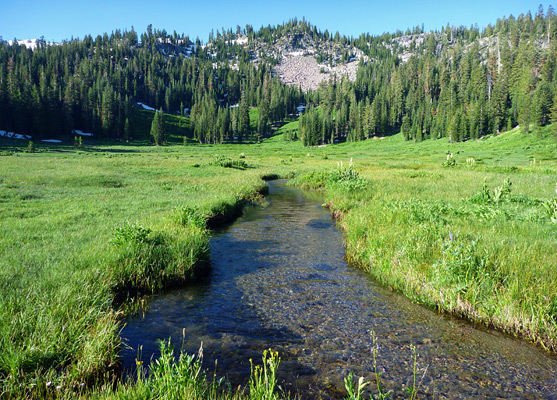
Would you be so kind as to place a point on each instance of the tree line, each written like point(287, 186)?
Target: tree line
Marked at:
point(462, 83)
point(93, 85)
point(459, 83)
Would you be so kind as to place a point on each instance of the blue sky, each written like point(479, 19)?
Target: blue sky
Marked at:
point(61, 19)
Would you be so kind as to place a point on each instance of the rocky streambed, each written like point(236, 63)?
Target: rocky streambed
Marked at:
point(279, 280)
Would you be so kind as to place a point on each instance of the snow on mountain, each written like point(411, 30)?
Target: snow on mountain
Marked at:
point(31, 43)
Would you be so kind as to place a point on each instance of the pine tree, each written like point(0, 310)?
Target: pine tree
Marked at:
point(158, 129)
point(243, 118)
point(406, 127)
point(127, 131)
point(525, 115)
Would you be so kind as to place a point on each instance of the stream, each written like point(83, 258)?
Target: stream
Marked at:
point(280, 280)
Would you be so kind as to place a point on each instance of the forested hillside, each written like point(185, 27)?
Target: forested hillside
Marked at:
point(462, 83)
point(92, 85)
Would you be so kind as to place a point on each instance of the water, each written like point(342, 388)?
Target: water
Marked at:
point(279, 280)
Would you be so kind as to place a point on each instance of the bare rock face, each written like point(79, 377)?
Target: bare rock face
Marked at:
point(298, 53)
point(297, 69)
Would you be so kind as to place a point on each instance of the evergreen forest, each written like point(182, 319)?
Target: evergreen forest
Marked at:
point(462, 83)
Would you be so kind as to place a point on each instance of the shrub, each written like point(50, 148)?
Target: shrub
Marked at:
point(347, 179)
point(486, 196)
point(188, 216)
point(229, 163)
point(129, 232)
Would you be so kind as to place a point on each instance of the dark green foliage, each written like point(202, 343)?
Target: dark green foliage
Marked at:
point(94, 84)
point(158, 128)
point(448, 84)
point(128, 131)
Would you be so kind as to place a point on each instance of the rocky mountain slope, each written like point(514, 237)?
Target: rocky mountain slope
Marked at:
point(301, 59)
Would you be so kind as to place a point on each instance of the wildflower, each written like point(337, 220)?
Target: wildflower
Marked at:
point(451, 237)
point(49, 383)
point(58, 387)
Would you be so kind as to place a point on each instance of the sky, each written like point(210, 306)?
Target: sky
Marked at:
point(58, 20)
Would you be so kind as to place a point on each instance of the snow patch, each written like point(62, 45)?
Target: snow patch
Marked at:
point(241, 40)
point(12, 135)
point(145, 106)
point(296, 53)
point(30, 43)
point(81, 133)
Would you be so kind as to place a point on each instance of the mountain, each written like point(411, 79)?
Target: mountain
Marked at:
point(302, 56)
point(461, 83)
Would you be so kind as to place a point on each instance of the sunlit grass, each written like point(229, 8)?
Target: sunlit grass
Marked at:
point(430, 232)
point(418, 227)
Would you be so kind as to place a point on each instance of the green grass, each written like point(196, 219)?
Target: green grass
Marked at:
point(432, 233)
point(84, 231)
point(177, 127)
point(62, 272)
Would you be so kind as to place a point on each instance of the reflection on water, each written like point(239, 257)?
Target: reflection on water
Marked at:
point(279, 280)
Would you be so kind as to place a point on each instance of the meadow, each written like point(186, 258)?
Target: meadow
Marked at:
point(87, 232)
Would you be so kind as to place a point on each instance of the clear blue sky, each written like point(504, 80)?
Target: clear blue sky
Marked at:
point(57, 20)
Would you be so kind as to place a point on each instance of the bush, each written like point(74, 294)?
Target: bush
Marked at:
point(188, 216)
point(347, 179)
point(486, 196)
point(129, 232)
point(229, 163)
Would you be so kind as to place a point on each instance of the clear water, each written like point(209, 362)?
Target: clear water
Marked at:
point(279, 280)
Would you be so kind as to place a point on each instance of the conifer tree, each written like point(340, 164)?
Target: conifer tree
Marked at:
point(158, 129)
point(127, 130)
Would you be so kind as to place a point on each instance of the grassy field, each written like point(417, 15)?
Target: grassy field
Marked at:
point(472, 238)
point(85, 231)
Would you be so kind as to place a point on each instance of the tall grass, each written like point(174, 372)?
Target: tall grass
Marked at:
point(472, 240)
point(81, 235)
point(84, 230)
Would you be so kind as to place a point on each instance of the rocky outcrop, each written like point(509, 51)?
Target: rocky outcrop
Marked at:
point(304, 71)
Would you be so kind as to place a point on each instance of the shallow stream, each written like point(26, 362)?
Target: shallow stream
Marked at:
point(279, 280)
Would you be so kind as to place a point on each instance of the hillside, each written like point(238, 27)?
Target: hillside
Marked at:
point(462, 83)
point(302, 56)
